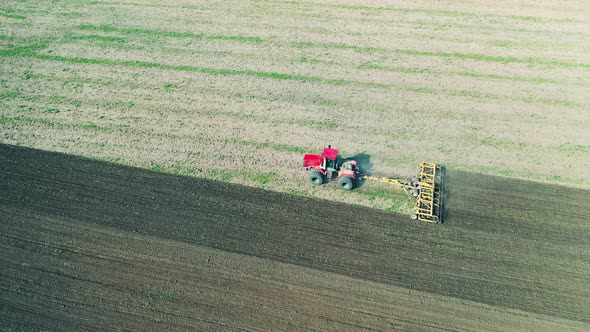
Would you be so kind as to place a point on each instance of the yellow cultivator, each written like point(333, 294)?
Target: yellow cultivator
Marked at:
point(427, 190)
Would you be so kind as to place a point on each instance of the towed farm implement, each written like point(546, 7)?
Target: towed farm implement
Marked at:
point(426, 189)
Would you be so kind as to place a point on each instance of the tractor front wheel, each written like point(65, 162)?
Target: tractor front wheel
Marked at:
point(316, 178)
point(345, 183)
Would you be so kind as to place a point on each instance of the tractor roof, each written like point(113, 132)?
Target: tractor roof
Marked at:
point(330, 153)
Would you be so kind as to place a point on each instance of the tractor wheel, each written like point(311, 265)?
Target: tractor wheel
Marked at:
point(316, 178)
point(345, 183)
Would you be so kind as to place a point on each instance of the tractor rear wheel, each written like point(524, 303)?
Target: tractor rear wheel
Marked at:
point(345, 183)
point(316, 178)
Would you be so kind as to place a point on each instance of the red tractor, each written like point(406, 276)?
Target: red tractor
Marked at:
point(329, 165)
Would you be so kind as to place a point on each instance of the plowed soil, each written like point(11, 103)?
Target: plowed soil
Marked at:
point(87, 245)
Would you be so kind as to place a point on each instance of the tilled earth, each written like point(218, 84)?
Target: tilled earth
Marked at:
point(87, 245)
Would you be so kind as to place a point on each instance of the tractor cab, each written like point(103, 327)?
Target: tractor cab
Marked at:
point(330, 158)
point(327, 162)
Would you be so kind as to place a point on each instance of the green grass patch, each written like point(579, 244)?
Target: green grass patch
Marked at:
point(511, 78)
point(221, 175)
point(527, 18)
point(554, 178)
point(114, 39)
point(170, 86)
point(456, 116)
point(502, 144)
point(305, 59)
point(489, 96)
point(138, 31)
point(260, 178)
point(122, 126)
point(574, 149)
point(402, 160)
point(504, 172)
point(24, 51)
point(56, 99)
point(24, 119)
point(468, 56)
point(373, 194)
point(498, 59)
point(429, 12)
point(340, 46)
point(547, 101)
point(51, 110)
point(72, 15)
point(405, 134)
point(296, 192)
point(92, 126)
point(4, 119)
point(60, 99)
point(444, 149)
point(158, 168)
point(164, 33)
point(248, 39)
point(407, 70)
point(13, 16)
point(272, 146)
point(175, 170)
point(501, 43)
point(327, 124)
point(9, 95)
point(380, 8)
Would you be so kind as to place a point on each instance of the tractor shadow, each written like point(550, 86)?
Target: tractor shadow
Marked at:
point(363, 160)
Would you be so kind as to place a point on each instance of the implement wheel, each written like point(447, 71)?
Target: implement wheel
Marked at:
point(316, 178)
point(345, 183)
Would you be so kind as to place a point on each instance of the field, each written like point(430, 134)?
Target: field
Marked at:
point(238, 91)
point(192, 211)
point(87, 245)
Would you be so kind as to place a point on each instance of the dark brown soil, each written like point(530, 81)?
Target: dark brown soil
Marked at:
point(87, 245)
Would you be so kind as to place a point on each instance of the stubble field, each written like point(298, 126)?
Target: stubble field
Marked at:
point(238, 91)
